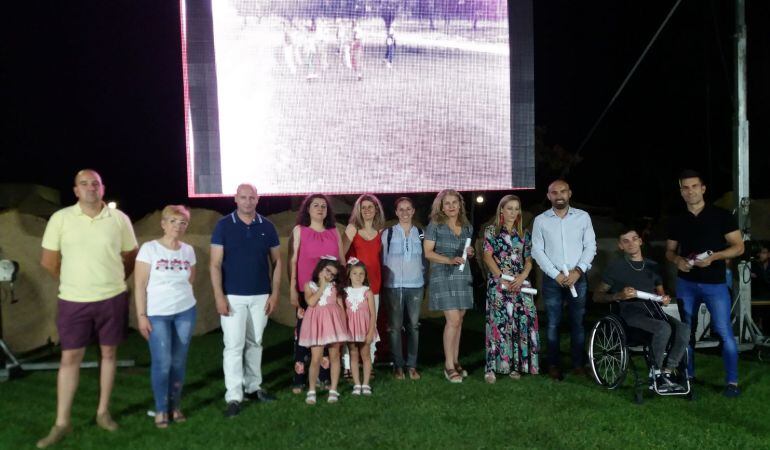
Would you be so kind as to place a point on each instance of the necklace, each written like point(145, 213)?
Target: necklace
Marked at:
point(632, 266)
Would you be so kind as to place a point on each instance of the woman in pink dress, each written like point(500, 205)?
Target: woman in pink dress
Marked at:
point(325, 325)
point(315, 235)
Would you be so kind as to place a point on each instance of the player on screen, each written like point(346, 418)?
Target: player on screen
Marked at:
point(288, 48)
point(311, 50)
point(344, 44)
point(390, 49)
point(357, 52)
point(322, 44)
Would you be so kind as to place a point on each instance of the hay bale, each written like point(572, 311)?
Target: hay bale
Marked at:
point(760, 219)
point(30, 199)
point(30, 322)
point(759, 210)
point(284, 222)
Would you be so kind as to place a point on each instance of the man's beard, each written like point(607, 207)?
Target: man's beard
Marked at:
point(560, 205)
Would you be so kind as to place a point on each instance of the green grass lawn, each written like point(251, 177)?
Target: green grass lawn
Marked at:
point(533, 412)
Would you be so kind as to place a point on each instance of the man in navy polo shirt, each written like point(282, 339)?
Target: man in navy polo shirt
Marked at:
point(243, 245)
point(703, 228)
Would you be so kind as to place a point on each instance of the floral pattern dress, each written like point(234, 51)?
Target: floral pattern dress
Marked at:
point(512, 342)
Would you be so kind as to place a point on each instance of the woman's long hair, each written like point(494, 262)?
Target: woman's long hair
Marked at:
point(436, 211)
point(357, 220)
point(303, 216)
point(518, 225)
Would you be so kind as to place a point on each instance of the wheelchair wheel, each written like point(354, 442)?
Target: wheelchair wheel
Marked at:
point(607, 352)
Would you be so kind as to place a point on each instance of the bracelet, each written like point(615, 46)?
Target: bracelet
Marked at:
point(142, 315)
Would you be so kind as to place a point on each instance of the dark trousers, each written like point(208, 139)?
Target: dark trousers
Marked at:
point(555, 296)
point(302, 361)
point(662, 330)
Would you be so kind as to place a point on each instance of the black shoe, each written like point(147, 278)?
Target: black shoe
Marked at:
point(731, 391)
point(233, 409)
point(666, 385)
point(260, 395)
point(555, 374)
point(580, 372)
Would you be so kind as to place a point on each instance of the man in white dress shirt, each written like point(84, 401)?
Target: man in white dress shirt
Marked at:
point(564, 245)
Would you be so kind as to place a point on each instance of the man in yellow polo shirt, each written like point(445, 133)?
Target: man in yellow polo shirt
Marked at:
point(90, 249)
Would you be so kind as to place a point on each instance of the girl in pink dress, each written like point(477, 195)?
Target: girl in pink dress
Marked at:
point(359, 302)
point(324, 325)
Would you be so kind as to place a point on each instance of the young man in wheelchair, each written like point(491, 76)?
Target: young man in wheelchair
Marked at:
point(621, 280)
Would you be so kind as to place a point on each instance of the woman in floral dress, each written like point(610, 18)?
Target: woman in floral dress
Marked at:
point(512, 342)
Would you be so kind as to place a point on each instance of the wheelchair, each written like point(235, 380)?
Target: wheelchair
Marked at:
point(610, 345)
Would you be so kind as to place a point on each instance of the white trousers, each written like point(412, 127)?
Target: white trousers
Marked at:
point(373, 347)
point(242, 358)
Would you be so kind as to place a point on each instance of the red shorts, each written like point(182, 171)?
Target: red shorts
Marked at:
point(83, 323)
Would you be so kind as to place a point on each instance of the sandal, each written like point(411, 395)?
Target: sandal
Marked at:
point(366, 389)
point(105, 422)
point(56, 434)
point(334, 396)
point(460, 370)
point(297, 389)
point(413, 374)
point(490, 378)
point(452, 376)
point(178, 417)
point(310, 398)
point(347, 374)
point(399, 374)
point(515, 375)
point(161, 421)
point(357, 389)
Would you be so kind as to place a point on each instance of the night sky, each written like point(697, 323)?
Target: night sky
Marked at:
point(99, 84)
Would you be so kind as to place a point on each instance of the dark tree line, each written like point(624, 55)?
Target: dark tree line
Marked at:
point(389, 10)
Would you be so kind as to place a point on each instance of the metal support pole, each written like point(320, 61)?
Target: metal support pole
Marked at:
point(748, 333)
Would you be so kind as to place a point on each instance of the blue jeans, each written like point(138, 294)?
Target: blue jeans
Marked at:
point(717, 300)
point(554, 296)
point(169, 342)
point(399, 301)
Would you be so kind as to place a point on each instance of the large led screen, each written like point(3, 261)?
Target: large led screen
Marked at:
point(349, 96)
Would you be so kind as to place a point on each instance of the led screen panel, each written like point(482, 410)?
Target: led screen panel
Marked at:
point(349, 96)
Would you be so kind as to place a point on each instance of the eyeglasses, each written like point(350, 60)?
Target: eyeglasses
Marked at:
point(173, 221)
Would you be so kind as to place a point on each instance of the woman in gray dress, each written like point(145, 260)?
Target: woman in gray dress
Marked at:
point(451, 289)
